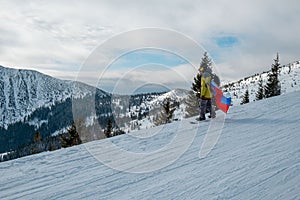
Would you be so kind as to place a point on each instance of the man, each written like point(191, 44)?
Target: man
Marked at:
point(205, 93)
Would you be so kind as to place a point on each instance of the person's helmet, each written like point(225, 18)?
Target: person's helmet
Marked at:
point(205, 68)
point(201, 69)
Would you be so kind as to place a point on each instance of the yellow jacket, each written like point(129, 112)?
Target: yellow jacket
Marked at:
point(205, 86)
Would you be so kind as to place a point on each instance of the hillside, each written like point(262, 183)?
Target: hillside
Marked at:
point(31, 101)
point(289, 77)
point(256, 157)
point(24, 91)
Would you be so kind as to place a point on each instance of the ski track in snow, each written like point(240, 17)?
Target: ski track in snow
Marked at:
point(256, 157)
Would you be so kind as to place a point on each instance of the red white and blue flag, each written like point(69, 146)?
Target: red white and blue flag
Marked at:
point(223, 103)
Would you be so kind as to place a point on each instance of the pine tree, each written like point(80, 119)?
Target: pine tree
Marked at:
point(205, 60)
point(82, 129)
point(260, 93)
point(192, 105)
point(246, 97)
point(71, 138)
point(36, 147)
point(166, 113)
point(108, 131)
point(273, 87)
point(196, 85)
point(192, 101)
point(37, 137)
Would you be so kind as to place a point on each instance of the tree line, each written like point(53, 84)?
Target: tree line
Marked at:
point(271, 88)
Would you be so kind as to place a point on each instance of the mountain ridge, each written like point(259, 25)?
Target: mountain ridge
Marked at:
point(31, 101)
point(24, 91)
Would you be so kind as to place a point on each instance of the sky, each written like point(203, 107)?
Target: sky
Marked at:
point(123, 46)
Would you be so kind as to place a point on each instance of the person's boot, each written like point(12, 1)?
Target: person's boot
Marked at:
point(202, 117)
point(212, 116)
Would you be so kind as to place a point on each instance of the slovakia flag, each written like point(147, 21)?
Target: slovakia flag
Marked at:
point(222, 102)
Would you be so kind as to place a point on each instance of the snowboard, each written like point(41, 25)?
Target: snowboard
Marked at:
point(198, 121)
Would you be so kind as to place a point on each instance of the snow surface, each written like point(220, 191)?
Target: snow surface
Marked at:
point(256, 157)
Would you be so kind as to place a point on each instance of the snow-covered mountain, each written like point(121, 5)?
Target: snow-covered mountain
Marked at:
point(289, 77)
point(31, 101)
point(256, 157)
point(24, 91)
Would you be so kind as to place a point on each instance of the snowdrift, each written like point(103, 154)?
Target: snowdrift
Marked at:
point(257, 156)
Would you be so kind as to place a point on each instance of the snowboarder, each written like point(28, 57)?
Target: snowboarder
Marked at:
point(206, 93)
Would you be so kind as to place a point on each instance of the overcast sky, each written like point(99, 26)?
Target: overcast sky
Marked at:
point(58, 37)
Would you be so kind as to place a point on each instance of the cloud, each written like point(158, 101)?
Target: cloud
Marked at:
point(156, 75)
point(57, 37)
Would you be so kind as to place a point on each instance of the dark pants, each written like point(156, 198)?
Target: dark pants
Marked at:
point(206, 104)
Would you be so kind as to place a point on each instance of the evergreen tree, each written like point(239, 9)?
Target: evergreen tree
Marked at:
point(37, 137)
point(192, 102)
point(108, 131)
point(273, 87)
point(119, 132)
point(196, 85)
point(36, 147)
point(260, 92)
point(71, 138)
point(205, 60)
point(166, 113)
point(246, 97)
point(82, 129)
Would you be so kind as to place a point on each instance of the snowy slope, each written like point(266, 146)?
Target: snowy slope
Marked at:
point(176, 95)
point(256, 157)
point(149, 107)
point(289, 77)
point(23, 91)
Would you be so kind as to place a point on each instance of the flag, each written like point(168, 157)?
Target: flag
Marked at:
point(222, 102)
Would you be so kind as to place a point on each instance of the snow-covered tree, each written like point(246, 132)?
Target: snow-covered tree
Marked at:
point(205, 60)
point(196, 85)
point(166, 114)
point(71, 138)
point(245, 97)
point(108, 130)
point(192, 105)
point(192, 101)
point(273, 87)
point(37, 137)
point(260, 92)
